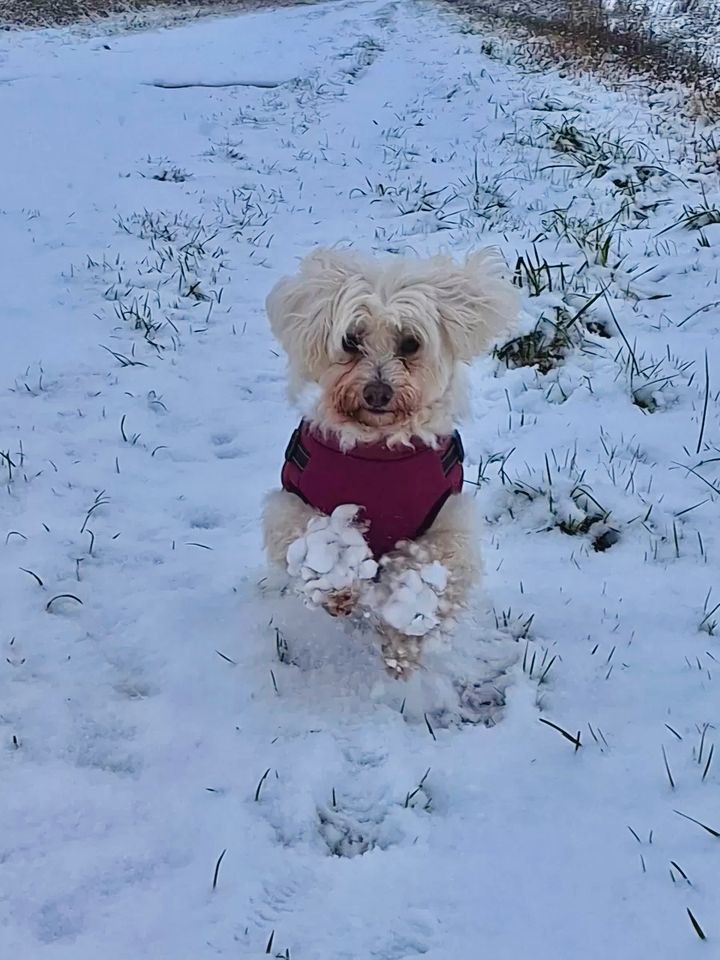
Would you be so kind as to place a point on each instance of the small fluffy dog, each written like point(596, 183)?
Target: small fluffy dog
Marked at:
point(371, 520)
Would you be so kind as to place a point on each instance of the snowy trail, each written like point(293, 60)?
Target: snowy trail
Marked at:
point(159, 704)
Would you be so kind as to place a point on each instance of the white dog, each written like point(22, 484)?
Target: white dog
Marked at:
point(370, 519)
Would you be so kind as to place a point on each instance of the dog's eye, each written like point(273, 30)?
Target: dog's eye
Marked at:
point(408, 346)
point(351, 343)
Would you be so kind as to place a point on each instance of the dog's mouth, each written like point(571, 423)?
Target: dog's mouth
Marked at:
point(371, 417)
point(377, 404)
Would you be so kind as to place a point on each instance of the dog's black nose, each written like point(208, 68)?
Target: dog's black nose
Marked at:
point(377, 394)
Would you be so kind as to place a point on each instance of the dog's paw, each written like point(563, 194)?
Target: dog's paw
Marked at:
point(410, 599)
point(414, 592)
point(341, 603)
point(401, 654)
point(330, 560)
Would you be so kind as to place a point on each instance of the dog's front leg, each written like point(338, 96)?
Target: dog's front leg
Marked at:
point(425, 583)
point(285, 518)
point(326, 557)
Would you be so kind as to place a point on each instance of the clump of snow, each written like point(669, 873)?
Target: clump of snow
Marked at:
point(331, 555)
point(409, 600)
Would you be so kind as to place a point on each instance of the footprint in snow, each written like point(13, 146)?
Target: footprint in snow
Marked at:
point(205, 520)
point(59, 919)
point(229, 453)
point(225, 447)
point(221, 439)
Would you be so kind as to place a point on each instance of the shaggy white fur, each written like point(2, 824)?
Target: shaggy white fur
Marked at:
point(351, 325)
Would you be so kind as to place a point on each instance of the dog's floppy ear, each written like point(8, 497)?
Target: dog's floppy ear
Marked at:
point(476, 300)
point(300, 308)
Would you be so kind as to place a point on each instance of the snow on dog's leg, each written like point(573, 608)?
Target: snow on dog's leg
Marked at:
point(331, 560)
point(285, 518)
point(424, 585)
point(406, 606)
point(408, 598)
point(400, 653)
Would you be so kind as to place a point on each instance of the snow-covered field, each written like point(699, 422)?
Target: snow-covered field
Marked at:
point(193, 766)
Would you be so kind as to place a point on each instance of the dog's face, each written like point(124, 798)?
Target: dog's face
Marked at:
point(384, 362)
point(383, 339)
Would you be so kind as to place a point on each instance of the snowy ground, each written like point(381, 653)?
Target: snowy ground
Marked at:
point(192, 766)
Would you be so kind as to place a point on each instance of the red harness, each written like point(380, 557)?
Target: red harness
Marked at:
point(401, 490)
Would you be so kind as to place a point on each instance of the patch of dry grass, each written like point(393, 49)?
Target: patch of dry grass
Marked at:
point(615, 44)
point(52, 13)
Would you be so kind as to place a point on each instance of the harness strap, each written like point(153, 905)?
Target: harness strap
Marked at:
point(295, 452)
point(454, 454)
point(433, 514)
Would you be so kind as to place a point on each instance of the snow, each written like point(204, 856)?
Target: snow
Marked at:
point(331, 555)
point(162, 704)
point(409, 600)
